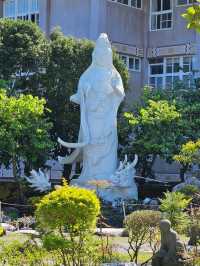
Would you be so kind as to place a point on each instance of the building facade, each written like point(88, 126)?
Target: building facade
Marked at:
point(150, 35)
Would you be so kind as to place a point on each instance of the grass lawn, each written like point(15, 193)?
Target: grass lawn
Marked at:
point(14, 237)
point(120, 245)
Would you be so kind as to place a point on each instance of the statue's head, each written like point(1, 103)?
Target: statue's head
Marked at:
point(102, 54)
point(165, 226)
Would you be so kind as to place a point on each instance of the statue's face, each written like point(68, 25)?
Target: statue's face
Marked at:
point(165, 227)
point(102, 54)
point(102, 57)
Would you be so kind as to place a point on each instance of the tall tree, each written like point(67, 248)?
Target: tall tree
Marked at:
point(23, 54)
point(24, 132)
point(154, 133)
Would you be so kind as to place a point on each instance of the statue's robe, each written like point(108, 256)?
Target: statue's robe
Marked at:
point(100, 92)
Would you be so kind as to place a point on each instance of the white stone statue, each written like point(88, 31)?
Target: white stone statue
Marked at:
point(100, 92)
point(40, 181)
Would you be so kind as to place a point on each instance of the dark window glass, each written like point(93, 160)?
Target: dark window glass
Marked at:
point(166, 4)
point(156, 69)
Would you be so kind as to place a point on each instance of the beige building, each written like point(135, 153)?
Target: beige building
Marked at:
point(150, 35)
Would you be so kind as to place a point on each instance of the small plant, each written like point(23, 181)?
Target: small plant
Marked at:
point(173, 206)
point(73, 211)
point(140, 226)
point(189, 190)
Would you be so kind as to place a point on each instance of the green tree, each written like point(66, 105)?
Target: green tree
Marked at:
point(187, 103)
point(141, 227)
point(24, 132)
point(154, 132)
point(23, 54)
point(72, 210)
point(192, 16)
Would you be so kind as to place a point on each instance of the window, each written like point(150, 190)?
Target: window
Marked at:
point(131, 3)
point(132, 63)
point(165, 72)
point(22, 9)
point(161, 14)
point(185, 2)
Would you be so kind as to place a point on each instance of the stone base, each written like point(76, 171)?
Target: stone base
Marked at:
point(109, 193)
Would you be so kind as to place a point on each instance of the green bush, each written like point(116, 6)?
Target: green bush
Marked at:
point(140, 226)
point(189, 190)
point(173, 206)
point(72, 210)
point(16, 253)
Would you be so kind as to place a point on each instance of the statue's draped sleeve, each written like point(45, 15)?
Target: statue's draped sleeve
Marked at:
point(117, 84)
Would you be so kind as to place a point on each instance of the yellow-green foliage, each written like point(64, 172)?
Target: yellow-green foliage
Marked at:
point(2, 231)
point(74, 208)
point(173, 206)
point(192, 16)
point(189, 153)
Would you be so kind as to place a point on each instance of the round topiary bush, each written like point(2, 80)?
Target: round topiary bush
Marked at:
point(72, 210)
point(71, 207)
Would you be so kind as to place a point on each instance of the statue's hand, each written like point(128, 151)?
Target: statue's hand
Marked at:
point(118, 86)
point(75, 98)
point(87, 89)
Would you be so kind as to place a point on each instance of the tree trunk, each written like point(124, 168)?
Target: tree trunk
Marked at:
point(183, 170)
point(17, 176)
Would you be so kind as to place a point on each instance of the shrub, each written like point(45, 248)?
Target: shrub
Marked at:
point(173, 206)
point(16, 253)
point(140, 225)
point(72, 210)
point(75, 208)
point(189, 190)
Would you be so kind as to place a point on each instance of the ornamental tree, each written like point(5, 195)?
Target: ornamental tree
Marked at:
point(24, 132)
point(142, 228)
point(69, 210)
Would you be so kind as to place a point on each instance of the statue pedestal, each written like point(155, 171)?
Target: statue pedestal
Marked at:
point(109, 192)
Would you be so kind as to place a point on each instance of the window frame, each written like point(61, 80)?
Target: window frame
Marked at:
point(128, 56)
point(157, 13)
point(187, 4)
point(129, 4)
point(180, 74)
point(27, 14)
